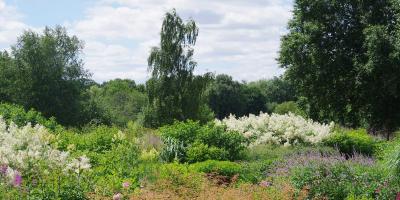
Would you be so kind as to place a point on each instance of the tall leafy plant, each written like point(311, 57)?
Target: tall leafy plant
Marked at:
point(174, 91)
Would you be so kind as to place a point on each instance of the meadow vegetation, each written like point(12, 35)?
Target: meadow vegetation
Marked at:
point(326, 129)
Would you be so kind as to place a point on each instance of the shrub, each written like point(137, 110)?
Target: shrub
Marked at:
point(352, 141)
point(18, 115)
point(330, 175)
point(224, 168)
point(342, 180)
point(93, 139)
point(179, 176)
point(30, 163)
point(191, 142)
point(287, 129)
point(392, 157)
point(288, 107)
point(199, 151)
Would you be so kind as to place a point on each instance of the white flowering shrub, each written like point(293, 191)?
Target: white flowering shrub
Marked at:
point(288, 129)
point(26, 152)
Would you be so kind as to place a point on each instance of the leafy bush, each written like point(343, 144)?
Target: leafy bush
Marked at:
point(224, 168)
point(92, 139)
point(392, 156)
point(178, 176)
point(330, 175)
point(199, 151)
point(29, 162)
point(352, 141)
point(341, 180)
point(191, 142)
point(288, 107)
point(287, 129)
point(18, 115)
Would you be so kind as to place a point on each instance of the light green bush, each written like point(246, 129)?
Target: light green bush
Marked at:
point(353, 141)
point(191, 142)
point(18, 115)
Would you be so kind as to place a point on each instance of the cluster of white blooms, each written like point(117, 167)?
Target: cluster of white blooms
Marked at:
point(288, 129)
point(79, 165)
point(27, 148)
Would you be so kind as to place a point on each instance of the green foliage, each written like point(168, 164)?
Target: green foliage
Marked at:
point(72, 192)
point(275, 90)
point(97, 139)
point(392, 157)
point(252, 172)
point(174, 92)
point(342, 180)
point(199, 151)
point(224, 168)
point(46, 74)
point(119, 99)
point(288, 107)
point(342, 56)
point(18, 115)
point(180, 175)
point(113, 156)
point(194, 142)
point(226, 96)
point(353, 141)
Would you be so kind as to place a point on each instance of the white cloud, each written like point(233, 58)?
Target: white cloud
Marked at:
point(237, 37)
point(11, 25)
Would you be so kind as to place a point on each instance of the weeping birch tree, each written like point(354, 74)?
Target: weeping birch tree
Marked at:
point(175, 93)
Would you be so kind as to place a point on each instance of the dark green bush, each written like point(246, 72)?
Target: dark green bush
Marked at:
point(191, 142)
point(349, 142)
point(18, 115)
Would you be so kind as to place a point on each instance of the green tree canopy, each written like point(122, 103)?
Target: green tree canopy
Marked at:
point(45, 72)
point(226, 96)
point(343, 56)
point(119, 99)
point(174, 91)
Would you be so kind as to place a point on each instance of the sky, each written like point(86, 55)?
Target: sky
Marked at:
point(237, 37)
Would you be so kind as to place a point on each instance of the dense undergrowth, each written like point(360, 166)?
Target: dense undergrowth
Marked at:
point(187, 160)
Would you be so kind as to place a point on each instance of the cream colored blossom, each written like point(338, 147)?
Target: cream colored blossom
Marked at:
point(288, 129)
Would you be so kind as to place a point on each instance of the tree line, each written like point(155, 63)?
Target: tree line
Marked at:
point(341, 59)
point(45, 71)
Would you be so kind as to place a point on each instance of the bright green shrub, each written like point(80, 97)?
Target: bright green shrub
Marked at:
point(180, 175)
point(224, 168)
point(113, 157)
point(113, 167)
point(18, 115)
point(288, 107)
point(94, 139)
point(191, 142)
point(200, 151)
point(349, 142)
point(252, 172)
